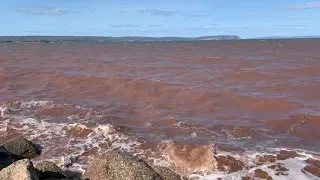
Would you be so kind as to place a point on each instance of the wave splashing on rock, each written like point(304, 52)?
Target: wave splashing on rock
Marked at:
point(70, 136)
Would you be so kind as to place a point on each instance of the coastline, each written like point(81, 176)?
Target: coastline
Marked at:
point(202, 163)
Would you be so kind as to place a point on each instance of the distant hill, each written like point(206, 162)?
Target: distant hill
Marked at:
point(83, 39)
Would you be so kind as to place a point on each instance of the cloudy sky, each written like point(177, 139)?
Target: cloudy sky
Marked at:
point(246, 18)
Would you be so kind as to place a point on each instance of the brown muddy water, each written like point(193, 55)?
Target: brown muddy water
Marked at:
point(208, 110)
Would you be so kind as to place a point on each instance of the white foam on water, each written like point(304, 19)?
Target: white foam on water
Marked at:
point(78, 145)
point(192, 135)
point(105, 133)
point(294, 166)
point(66, 142)
point(232, 176)
point(29, 104)
point(2, 110)
point(63, 140)
point(4, 126)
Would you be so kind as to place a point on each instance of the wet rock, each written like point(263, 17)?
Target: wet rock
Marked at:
point(242, 132)
point(118, 166)
point(312, 168)
point(283, 155)
point(21, 148)
point(246, 178)
point(167, 174)
point(78, 131)
point(313, 162)
point(228, 148)
point(49, 170)
point(262, 174)
point(20, 170)
point(229, 164)
point(281, 174)
point(12, 111)
point(280, 169)
point(189, 158)
point(74, 175)
point(5, 159)
point(266, 159)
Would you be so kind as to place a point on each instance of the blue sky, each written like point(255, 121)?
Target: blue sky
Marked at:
point(190, 18)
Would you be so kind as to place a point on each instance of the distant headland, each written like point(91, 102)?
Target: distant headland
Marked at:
point(96, 39)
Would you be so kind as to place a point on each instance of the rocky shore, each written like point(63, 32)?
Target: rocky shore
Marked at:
point(16, 164)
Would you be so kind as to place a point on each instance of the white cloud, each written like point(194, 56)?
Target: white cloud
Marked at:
point(289, 26)
point(125, 26)
point(42, 10)
point(298, 17)
point(158, 12)
point(207, 26)
point(253, 15)
point(310, 5)
point(219, 26)
point(154, 26)
point(200, 15)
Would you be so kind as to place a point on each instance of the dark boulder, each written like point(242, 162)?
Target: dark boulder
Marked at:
point(167, 174)
point(49, 170)
point(118, 166)
point(5, 159)
point(21, 148)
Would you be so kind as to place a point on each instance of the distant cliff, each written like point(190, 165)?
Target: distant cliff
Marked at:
point(89, 39)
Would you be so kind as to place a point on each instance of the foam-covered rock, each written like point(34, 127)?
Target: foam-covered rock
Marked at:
point(19, 170)
point(118, 166)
